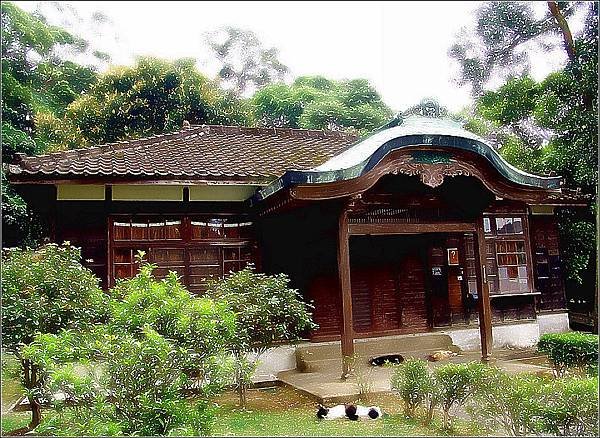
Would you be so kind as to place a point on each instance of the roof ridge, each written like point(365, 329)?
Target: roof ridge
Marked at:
point(277, 129)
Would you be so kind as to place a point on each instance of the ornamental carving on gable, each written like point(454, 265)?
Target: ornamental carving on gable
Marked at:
point(432, 174)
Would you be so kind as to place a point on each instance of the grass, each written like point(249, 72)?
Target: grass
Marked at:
point(284, 412)
point(12, 390)
point(278, 411)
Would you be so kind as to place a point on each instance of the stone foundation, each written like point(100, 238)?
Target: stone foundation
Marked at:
point(511, 336)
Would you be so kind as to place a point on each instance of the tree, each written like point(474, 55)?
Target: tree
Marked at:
point(152, 97)
point(158, 344)
point(268, 312)
point(44, 291)
point(244, 63)
point(37, 81)
point(562, 112)
point(319, 103)
point(504, 33)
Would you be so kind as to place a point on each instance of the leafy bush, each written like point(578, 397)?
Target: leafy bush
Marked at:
point(45, 291)
point(159, 343)
point(147, 383)
point(413, 381)
point(456, 383)
point(525, 404)
point(268, 312)
point(570, 407)
point(570, 350)
point(509, 402)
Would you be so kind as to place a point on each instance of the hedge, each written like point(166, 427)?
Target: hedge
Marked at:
point(570, 350)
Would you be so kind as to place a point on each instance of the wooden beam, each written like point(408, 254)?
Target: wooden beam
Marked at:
point(485, 310)
point(404, 228)
point(345, 287)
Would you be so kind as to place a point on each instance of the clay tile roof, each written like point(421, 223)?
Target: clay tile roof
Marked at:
point(205, 151)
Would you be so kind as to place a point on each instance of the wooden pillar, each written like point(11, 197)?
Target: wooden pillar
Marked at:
point(485, 310)
point(344, 281)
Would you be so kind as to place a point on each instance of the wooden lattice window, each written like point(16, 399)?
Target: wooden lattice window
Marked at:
point(507, 259)
point(198, 248)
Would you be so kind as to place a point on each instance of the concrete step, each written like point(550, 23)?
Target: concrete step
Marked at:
point(312, 357)
point(316, 365)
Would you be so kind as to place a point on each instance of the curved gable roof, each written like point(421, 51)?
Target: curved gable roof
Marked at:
point(413, 130)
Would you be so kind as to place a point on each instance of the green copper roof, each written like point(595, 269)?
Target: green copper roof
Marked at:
point(424, 128)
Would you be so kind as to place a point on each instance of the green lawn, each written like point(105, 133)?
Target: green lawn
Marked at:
point(12, 390)
point(278, 411)
point(283, 412)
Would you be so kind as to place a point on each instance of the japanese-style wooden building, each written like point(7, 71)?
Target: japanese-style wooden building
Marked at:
point(418, 227)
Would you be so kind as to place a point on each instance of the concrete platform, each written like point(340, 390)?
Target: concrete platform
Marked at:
point(326, 386)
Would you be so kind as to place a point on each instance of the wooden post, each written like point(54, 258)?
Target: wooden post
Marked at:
point(485, 310)
point(344, 280)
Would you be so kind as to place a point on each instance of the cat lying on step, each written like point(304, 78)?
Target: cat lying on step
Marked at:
point(441, 355)
point(388, 358)
point(352, 412)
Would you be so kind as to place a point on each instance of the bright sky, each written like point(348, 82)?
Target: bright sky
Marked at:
point(401, 47)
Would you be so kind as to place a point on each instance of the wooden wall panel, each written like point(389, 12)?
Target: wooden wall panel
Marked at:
point(325, 294)
point(547, 262)
point(361, 300)
point(412, 292)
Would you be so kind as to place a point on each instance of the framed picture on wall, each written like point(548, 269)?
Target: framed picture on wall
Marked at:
point(452, 256)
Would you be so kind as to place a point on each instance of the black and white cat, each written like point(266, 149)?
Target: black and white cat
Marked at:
point(352, 412)
point(393, 359)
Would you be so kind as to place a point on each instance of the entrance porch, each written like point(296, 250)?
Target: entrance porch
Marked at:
point(317, 372)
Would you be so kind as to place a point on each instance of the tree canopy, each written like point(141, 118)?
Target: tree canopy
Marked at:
point(320, 103)
point(550, 126)
point(245, 65)
point(151, 97)
point(500, 43)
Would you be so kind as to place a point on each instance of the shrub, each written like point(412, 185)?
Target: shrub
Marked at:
point(45, 291)
point(159, 341)
point(510, 402)
point(570, 350)
point(413, 381)
point(268, 312)
point(456, 383)
point(570, 407)
point(525, 404)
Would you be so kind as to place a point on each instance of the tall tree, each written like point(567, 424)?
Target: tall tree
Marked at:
point(36, 81)
point(504, 34)
point(151, 97)
point(565, 107)
point(244, 63)
point(319, 103)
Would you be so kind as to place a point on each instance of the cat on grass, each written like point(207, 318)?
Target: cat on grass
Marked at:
point(350, 411)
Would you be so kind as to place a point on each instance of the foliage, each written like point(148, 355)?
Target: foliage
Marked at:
point(45, 291)
point(570, 350)
point(36, 82)
point(458, 382)
point(152, 97)
point(244, 64)
point(508, 401)
point(201, 327)
point(319, 103)
point(268, 311)
point(547, 127)
point(498, 45)
point(529, 405)
point(414, 383)
point(571, 409)
point(158, 344)
point(146, 382)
